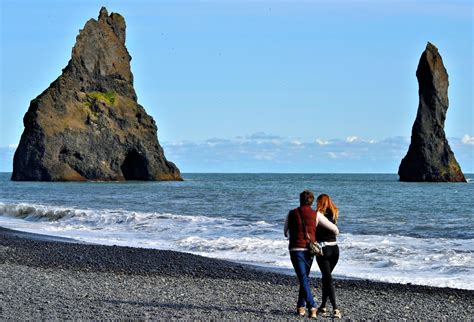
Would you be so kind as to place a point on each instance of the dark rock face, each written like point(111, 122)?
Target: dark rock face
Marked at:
point(88, 125)
point(429, 156)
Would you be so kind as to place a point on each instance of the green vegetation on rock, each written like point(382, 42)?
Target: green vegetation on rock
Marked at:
point(108, 98)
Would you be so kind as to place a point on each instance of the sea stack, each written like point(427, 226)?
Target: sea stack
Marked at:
point(87, 125)
point(429, 157)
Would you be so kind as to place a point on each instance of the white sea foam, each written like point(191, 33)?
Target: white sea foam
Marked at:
point(425, 261)
point(431, 261)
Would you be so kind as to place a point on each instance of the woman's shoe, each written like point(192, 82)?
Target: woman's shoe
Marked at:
point(300, 311)
point(322, 311)
point(337, 314)
point(313, 313)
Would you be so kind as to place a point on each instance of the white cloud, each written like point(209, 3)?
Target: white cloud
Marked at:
point(466, 139)
point(262, 136)
point(265, 156)
point(276, 142)
point(211, 144)
point(176, 143)
point(351, 139)
point(331, 155)
point(340, 155)
point(269, 153)
point(322, 142)
point(296, 142)
point(241, 154)
point(6, 157)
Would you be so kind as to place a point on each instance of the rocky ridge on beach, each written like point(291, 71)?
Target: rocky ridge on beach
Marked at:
point(429, 157)
point(87, 125)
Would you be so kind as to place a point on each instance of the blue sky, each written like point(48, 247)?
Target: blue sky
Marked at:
point(259, 86)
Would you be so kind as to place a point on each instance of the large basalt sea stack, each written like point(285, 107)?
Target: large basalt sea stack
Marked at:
point(429, 156)
point(88, 125)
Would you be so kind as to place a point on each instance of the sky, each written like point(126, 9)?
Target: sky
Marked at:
point(259, 86)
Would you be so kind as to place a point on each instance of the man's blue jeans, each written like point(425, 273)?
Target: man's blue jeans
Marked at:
point(302, 262)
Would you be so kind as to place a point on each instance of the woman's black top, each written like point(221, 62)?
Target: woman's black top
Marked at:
point(323, 234)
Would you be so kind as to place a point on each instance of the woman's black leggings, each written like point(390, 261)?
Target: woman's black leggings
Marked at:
point(326, 264)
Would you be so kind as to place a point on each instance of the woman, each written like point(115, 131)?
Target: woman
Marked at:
point(326, 208)
point(301, 225)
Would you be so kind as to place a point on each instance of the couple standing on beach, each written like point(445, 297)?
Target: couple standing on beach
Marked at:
point(303, 225)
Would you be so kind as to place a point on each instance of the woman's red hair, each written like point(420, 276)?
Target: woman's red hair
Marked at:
point(326, 206)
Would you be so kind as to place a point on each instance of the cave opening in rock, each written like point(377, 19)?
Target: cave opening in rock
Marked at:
point(134, 167)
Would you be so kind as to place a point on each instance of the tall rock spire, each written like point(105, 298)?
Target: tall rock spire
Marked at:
point(429, 156)
point(87, 125)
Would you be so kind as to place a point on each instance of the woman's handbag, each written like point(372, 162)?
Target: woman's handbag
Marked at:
point(314, 248)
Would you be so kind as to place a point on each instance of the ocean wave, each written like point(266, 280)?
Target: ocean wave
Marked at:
point(404, 251)
point(36, 212)
point(401, 259)
point(395, 259)
point(123, 220)
point(55, 213)
point(390, 258)
point(254, 245)
point(115, 216)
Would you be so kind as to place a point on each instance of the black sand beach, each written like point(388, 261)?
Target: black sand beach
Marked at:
point(49, 278)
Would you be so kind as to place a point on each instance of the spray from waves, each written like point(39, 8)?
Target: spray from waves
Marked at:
point(261, 251)
point(395, 259)
point(424, 261)
point(38, 212)
point(401, 259)
point(35, 212)
point(85, 222)
point(98, 218)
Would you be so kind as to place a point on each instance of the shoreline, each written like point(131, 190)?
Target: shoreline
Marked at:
point(126, 282)
point(265, 269)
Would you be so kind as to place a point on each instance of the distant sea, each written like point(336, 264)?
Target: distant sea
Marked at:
point(419, 233)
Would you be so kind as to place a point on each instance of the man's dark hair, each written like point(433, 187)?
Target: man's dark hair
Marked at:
point(306, 198)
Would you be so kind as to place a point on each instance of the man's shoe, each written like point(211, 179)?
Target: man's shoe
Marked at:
point(300, 311)
point(313, 313)
point(322, 311)
point(337, 314)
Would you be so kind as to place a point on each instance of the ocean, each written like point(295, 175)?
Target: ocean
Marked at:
point(419, 233)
